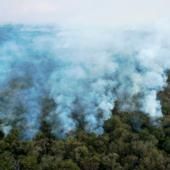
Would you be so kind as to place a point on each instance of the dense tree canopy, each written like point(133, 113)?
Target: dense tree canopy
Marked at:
point(131, 141)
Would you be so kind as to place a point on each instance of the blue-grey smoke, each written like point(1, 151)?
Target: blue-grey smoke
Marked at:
point(83, 71)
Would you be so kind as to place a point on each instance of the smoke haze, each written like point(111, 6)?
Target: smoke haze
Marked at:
point(83, 71)
point(83, 56)
point(103, 13)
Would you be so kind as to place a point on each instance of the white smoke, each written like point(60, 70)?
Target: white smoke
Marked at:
point(84, 71)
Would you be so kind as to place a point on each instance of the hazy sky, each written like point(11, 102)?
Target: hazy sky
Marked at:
point(94, 12)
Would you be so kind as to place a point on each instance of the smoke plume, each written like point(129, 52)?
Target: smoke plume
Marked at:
point(83, 71)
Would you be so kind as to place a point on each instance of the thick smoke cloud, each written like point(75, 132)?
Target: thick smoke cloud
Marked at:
point(84, 72)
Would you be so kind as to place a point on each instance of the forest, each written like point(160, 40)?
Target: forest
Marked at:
point(131, 141)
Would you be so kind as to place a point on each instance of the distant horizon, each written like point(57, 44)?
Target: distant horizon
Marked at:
point(87, 13)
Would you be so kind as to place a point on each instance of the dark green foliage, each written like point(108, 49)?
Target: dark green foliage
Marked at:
point(130, 142)
point(121, 147)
